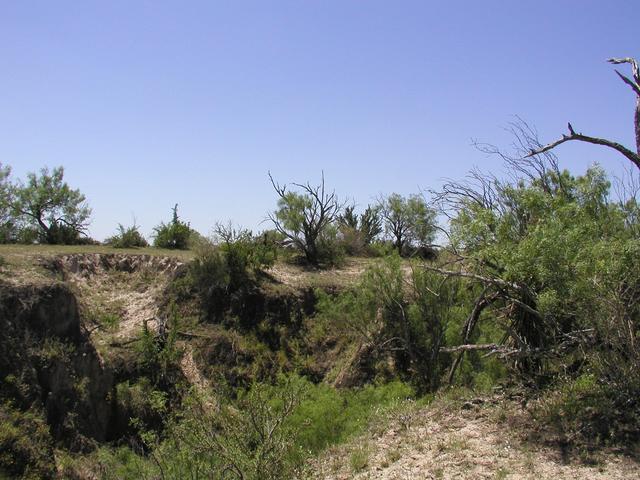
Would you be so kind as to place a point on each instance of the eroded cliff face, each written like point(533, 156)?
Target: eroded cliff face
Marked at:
point(49, 364)
point(70, 344)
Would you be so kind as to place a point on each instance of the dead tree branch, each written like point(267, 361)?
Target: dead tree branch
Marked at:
point(303, 217)
point(481, 303)
point(634, 157)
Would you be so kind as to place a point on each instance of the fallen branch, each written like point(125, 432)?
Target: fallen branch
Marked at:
point(474, 276)
point(471, 347)
point(480, 304)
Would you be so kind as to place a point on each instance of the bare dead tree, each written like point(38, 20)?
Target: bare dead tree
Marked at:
point(303, 217)
point(631, 155)
point(454, 195)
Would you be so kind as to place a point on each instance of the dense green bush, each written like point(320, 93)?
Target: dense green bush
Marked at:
point(408, 222)
point(265, 432)
point(407, 317)
point(227, 269)
point(26, 448)
point(48, 205)
point(357, 232)
point(129, 237)
point(243, 253)
point(173, 235)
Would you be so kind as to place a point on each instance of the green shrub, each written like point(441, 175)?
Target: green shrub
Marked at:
point(330, 249)
point(173, 235)
point(269, 430)
point(246, 438)
point(587, 412)
point(158, 352)
point(129, 237)
point(225, 271)
point(359, 458)
point(243, 253)
point(105, 463)
point(407, 319)
point(381, 248)
point(26, 448)
point(328, 416)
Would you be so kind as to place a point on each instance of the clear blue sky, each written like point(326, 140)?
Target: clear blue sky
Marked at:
point(152, 103)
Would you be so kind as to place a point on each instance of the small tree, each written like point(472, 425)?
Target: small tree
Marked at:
point(408, 221)
point(305, 218)
point(172, 235)
point(358, 231)
point(60, 213)
point(370, 224)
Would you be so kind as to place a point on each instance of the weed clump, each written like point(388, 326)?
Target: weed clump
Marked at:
point(129, 237)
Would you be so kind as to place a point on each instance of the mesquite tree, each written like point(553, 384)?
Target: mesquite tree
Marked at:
point(60, 213)
point(631, 155)
point(303, 218)
point(407, 221)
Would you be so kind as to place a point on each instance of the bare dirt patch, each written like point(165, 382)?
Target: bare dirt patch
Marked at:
point(469, 442)
point(117, 293)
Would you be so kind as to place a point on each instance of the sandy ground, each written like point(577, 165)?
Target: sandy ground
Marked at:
point(436, 442)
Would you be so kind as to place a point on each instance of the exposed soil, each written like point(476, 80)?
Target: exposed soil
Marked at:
point(128, 287)
point(472, 441)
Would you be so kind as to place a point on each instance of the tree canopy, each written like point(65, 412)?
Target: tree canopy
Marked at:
point(408, 221)
point(59, 213)
point(305, 218)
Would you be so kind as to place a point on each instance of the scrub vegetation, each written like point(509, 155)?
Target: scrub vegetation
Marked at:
point(505, 309)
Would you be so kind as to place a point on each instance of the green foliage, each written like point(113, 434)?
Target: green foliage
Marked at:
point(409, 222)
point(588, 413)
point(8, 222)
point(244, 253)
point(158, 353)
point(53, 349)
point(145, 404)
point(129, 237)
point(173, 235)
point(109, 321)
point(359, 458)
point(267, 431)
point(566, 257)
point(221, 272)
point(26, 449)
point(410, 323)
point(370, 224)
point(47, 203)
point(306, 219)
point(247, 438)
point(328, 416)
point(358, 232)
point(555, 235)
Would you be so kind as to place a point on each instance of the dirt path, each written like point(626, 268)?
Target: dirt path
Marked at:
point(440, 443)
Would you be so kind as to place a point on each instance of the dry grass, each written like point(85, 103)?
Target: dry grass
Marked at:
point(303, 277)
point(23, 263)
point(451, 439)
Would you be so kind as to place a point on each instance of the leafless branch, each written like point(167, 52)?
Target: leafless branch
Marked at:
point(634, 157)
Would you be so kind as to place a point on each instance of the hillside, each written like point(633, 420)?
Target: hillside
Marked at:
point(78, 323)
